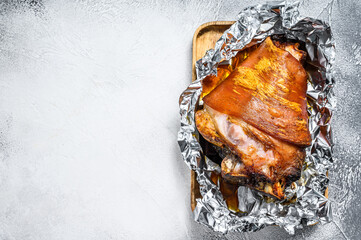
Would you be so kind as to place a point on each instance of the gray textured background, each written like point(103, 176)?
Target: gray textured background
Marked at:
point(89, 117)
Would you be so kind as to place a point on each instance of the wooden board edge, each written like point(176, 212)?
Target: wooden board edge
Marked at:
point(194, 189)
point(194, 41)
point(194, 184)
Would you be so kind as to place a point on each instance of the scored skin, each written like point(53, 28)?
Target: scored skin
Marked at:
point(263, 92)
point(212, 81)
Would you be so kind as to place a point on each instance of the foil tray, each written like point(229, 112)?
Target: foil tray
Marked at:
point(312, 206)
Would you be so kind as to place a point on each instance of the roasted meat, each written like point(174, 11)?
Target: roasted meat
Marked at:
point(212, 81)
point(259, 113)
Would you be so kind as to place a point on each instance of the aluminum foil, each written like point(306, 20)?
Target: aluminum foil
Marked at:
point(256, 23)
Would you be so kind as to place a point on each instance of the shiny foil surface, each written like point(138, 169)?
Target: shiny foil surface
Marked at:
point(311, 207)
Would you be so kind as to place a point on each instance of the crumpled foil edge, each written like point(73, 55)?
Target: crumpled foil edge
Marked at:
point(256, 23)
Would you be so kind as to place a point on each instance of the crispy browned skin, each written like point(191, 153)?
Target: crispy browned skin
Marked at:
point(264, 159)
point(268, 91)
point(206, 127)
point(264, 163)
point(259, 113)
point(212, 81)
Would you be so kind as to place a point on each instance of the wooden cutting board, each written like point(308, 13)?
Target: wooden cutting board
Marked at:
point(204, 39)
